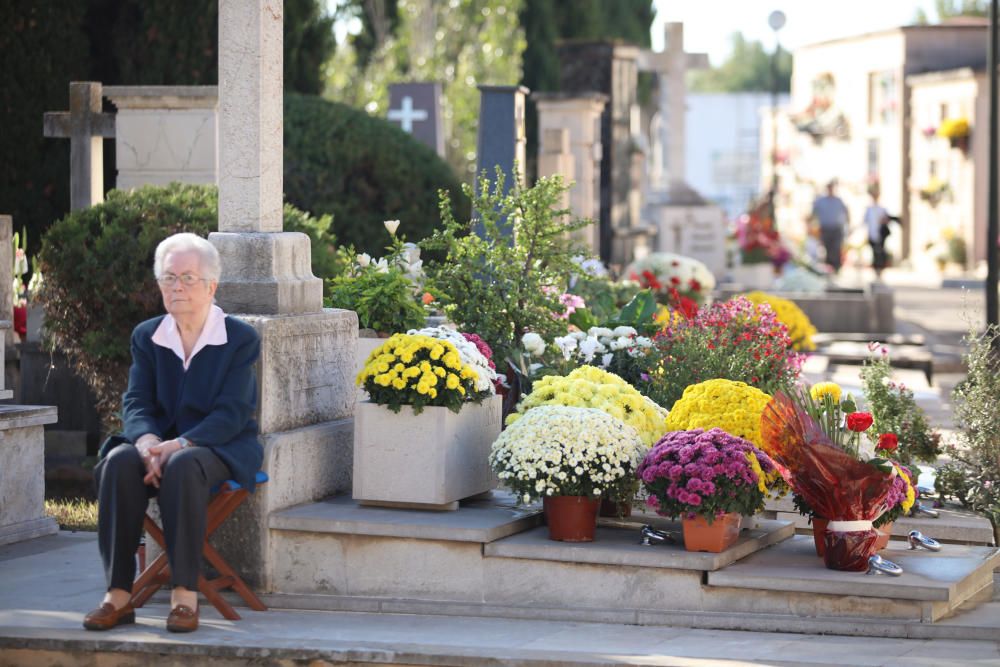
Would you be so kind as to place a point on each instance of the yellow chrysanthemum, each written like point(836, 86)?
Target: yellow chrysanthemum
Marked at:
point(735, 407)
point(800, 328)
point(452, 381)
point(911, 494)
point(821, 389)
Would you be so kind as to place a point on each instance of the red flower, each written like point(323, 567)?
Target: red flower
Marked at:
point(888, 441)
point(695, 285)
point(651, 280)
point(859, 421)
point(675, 281)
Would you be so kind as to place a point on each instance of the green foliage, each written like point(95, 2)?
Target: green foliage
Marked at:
point(460, 43)
point(947, 9)
point(973, 475)
point(895, 410)
point(749, 67)
point(501, 283)
point(361, 170)
point(308, 44)
point(383, 298)
point(41, 43)
point(98, 266)
point(604, 298)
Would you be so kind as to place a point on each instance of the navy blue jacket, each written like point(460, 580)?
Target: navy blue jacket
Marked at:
point(212, 404)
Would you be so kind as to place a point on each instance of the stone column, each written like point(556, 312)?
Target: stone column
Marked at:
point(306, 368)
point(580, 115)
point(6, 295)
point(165, 134)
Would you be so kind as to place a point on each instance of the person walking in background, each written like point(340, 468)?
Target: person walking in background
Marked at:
point(831, 215)
point(877, 225)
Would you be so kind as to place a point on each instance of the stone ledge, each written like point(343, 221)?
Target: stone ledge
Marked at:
point(953, 575)
point(21, 416)
point(28, 530)
point(481, 521)
point(618, 545)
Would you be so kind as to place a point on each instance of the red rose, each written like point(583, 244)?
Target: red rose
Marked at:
point(888, 441)
point(859, 421)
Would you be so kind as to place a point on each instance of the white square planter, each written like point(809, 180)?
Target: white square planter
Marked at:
point(431, 460)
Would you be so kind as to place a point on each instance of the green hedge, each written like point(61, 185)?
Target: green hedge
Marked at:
point(362, 170)
point(98, 268)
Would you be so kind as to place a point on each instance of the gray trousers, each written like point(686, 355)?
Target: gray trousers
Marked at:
point(833, 240)
point(122, 498)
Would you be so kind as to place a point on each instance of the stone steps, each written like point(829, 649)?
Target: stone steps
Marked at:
point(491, 558)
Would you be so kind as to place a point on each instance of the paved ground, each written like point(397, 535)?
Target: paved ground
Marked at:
point(46, 585)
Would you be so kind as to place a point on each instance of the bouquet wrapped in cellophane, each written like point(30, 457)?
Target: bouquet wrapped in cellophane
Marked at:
point(848, 492)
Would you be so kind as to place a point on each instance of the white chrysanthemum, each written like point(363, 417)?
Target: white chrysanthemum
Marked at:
point(467, 352)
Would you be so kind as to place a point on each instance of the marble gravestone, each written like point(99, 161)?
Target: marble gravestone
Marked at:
point(416, 108)
point(164, 134)
point(305, 373)
point(611, 69)
point(501, 138)
point(22, 444)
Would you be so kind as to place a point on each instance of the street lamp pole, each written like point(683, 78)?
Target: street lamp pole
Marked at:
point(776, 20)
point(992, 226)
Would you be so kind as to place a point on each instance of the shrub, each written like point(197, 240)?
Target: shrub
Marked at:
point(98, 267)
point(362, 170)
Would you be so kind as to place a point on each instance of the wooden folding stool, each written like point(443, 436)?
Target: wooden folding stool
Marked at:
point(230, 496)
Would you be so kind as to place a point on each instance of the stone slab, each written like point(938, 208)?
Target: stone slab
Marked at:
point(619, 545)
point(28, 530)
point(20, 416)
point(480, 520)
point(22, 472)
point(951, 575)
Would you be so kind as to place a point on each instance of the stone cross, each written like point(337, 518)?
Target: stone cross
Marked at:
point(406, 114)
point(416, 108)
point(265, 271)
point(86, 128)
point(671, 66)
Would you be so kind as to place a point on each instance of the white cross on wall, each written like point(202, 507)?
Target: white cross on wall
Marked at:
point(407, 114)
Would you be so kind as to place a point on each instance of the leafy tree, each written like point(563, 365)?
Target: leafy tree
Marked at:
point(947, 9)
point(749, 67)
point(460, 43)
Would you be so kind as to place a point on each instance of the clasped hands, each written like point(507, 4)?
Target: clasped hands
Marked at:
point(155, 455)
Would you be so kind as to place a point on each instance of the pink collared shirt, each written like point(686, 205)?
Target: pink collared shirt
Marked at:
point(213, 333)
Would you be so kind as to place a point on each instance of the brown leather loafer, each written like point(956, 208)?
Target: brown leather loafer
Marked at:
point(182, 619)
point(106, 617)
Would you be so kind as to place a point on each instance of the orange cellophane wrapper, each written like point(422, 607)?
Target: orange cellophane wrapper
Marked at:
point(837, 486)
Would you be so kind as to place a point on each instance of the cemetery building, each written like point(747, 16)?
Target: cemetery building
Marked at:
point(849, 119)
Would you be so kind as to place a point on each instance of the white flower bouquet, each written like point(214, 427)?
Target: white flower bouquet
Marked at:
point(555, 450)
point(468, 352)
point(665, 271)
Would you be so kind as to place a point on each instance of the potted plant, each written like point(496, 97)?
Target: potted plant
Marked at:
point(665, 271)
point(386, 293)
point(800, 328)
point(569, 457)
point(710, 479)
point(591, 387)
point(423, 437)
point(956, 131)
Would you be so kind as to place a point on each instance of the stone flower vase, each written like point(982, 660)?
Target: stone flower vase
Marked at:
point(714, 538)
point(571, 518)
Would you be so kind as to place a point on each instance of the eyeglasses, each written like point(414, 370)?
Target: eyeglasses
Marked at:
point(187, 279)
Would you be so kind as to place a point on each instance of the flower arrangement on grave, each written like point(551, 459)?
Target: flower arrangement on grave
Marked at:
point(386, 293)
point(21, 291)
point(590, 387)
point(470, 353)
point(734, 340)
point(421, 371)
point(895, 411)
point(559, 450)
point(758, 239)
point(800, 327)
point(799, 278)
point(706, 473)
point(954, 129)
point(621, 351)
point(935, 191)
point(664, 271)
point(815, 437)
point(735, 407)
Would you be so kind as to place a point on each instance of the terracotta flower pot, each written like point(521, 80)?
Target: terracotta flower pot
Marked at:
point(819, 528)
point(571, 518)
point(615, 509)
point(884, 534)
point(714, 538)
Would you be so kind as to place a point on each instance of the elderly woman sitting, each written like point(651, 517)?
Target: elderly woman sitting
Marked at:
point(188, 425)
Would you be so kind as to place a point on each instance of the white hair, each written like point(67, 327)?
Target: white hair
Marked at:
point(211, 265)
